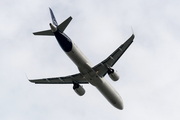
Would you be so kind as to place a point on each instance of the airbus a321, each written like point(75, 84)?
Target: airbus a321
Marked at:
point(89, 73)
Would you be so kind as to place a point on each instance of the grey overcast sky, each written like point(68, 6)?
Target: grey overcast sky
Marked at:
point(149, 69)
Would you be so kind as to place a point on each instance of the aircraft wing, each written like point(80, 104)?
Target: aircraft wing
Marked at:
point(61, 80)
point(102, 68)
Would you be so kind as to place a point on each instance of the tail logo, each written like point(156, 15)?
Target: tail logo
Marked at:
point(54, 22)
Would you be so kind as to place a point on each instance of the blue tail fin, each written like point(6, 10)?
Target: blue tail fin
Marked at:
point(53, 18)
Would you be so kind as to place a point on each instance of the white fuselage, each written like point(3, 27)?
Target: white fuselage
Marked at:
point(84, 65)
point(85, 68)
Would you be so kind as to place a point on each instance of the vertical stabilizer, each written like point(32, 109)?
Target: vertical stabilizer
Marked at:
point(63, 25)
point(53, 18)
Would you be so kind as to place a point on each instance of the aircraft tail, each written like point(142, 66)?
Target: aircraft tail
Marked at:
point(63, 25)
point(53, 18)
point(60, 27)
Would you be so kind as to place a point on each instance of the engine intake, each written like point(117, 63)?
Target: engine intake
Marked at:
point(78, 89)
point(113, 74)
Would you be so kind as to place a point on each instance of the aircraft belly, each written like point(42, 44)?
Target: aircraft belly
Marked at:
point(93, 79)
point(85, 68)
point(78, 57)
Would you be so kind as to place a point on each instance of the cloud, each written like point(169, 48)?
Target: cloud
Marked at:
point(149, 69)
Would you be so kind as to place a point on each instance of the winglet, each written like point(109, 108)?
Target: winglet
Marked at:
point(27, 76)
point(132, 30)
point(132, 33)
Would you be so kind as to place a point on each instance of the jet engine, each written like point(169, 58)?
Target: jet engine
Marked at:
point(78, 89)
point(113, 74)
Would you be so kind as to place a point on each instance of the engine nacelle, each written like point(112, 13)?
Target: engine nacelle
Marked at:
point(79, 89)
point(113, 74)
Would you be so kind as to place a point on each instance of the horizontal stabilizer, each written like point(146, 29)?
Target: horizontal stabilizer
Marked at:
point(62, 80)
point(61, 28)
point(64, 24)
point(45, 32)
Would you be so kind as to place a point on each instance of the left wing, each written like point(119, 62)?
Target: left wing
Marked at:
point(102, 68)
point(62, 80)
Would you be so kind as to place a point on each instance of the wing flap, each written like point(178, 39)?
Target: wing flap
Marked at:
point(112, 59)
point(102, 67)
point(61, 80)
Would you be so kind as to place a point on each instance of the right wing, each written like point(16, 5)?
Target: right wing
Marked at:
point(61, 80)
point(102, 68)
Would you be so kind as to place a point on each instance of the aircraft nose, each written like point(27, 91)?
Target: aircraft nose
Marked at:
point(119, 105)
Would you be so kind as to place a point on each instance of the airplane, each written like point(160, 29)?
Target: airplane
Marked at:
point(89, 73)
